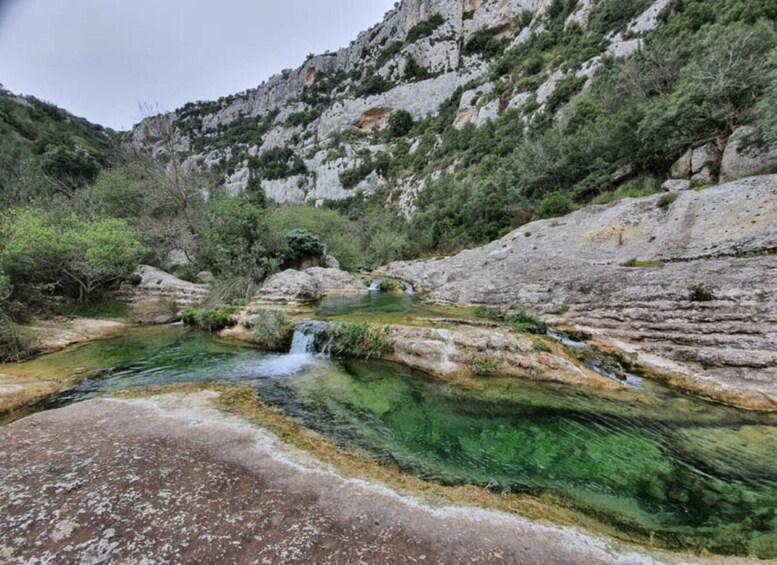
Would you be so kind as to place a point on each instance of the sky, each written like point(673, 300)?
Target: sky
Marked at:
point(100, 59)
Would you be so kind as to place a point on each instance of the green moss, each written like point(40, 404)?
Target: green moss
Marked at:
point(652, 264)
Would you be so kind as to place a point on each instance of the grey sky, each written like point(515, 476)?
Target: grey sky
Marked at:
point(100, 58)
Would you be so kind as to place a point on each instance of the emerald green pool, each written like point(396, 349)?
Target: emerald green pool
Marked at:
point(681, 471)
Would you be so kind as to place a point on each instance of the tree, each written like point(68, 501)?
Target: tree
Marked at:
point(75, 255)
point(400, 123)
point(303, 245)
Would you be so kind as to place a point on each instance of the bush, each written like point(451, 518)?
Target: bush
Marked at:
point(273, 330)
point(700, 293)
point(400, 123)
point(357, 339)
point(210, 319)
point(666, 200)
point(521, 320)
point(303, 245)
point(424, 28)
point(555, 204)
point(76, 255)
point(485, 366)
point(277, 163)
point(13, 346)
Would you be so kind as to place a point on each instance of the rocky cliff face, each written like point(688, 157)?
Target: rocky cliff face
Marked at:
point(685, 285)
point(316, 122)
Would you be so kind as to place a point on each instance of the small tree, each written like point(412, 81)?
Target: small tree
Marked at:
point(303, 245)
point(400, 123)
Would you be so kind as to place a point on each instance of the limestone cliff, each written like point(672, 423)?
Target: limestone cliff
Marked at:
point(315, 122)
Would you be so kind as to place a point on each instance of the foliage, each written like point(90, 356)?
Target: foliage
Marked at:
point(634, 262)
point(666, 200)
point(237, 238)
point(555, 204)
point(613, 15)
point(272, 330)
point(485, 365)
point(357, 339)
point(484, 43)
point(301, 245)
point(277, 163)
point(210, 319)
point(76, 255)
point(400, 123)
point(700, 293)
point(521, 320)
point(424, 28)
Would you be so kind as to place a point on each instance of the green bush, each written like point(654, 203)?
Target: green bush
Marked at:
point(301, 245)
point(485, 366)
point(424, 28)
point(555, 204)
point(400, 123)
point(277, 163)
point(210, 319)
point(521, 320)
point(357, 339)
point(273, 330)
point(75, 255)
point(666, 200)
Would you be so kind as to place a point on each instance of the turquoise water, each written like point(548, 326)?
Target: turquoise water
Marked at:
point(682, 471)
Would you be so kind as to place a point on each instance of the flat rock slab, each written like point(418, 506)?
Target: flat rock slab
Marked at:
point(172, 480)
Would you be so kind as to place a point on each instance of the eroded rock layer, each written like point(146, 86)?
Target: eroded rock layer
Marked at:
point(685, 284)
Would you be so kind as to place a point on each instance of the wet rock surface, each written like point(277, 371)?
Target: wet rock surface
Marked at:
point(170, 479)
point(698, 306)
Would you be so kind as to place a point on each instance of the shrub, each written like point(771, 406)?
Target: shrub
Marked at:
point(303, 245)
point(700, 293)
point(210, 319)
point(400, 123)
point(485, 365)
point(80, 256)
point(555, 204)
point(667, 200)
point(541, 347)
point(357, 339)
point(424, 28)
point(277, 163)
point(272, 330)
point(634, 262)
point(520, 320)
point(13, 346)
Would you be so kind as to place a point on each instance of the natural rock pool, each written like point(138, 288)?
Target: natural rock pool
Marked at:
point(656, 465)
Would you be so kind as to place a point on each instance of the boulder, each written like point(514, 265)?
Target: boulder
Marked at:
point(308, 285)
point(204, 277)
point(153, 311)
point(151, 283)
point(681, 169)
point(331, 262)
point(676, 185)
point(741, 159)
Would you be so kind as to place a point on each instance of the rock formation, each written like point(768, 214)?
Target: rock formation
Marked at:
point(686, 285)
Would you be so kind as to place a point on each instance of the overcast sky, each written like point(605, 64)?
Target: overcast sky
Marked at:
point(100, 58)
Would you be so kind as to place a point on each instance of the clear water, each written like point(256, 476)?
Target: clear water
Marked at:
point(381, 307)
point(674, 468)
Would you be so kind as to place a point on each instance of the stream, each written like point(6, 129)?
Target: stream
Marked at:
point(660, 466)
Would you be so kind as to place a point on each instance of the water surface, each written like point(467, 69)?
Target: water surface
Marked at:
point(682, 471)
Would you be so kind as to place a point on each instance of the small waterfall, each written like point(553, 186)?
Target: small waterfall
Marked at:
point(375, 285)
point(305, 334)
point(408, 288)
